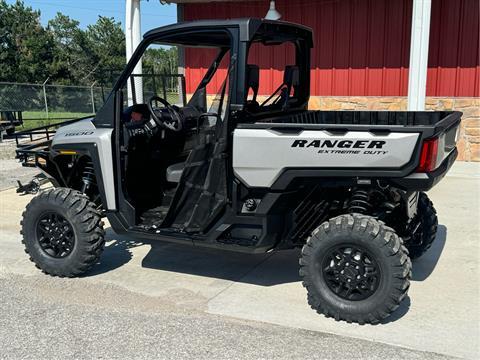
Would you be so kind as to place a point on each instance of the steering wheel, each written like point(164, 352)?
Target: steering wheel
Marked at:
point(170, 119)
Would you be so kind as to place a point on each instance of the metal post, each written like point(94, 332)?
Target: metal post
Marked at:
point(183, 90)
point(181, 60)
point(154, 83)
point(417, 74)
point(45, 95)
point(133, 37)
point(164, 85)
point(93, 98)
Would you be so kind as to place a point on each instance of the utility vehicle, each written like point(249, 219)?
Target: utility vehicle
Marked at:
point(247, 173)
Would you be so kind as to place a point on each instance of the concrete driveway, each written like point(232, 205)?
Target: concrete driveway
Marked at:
point(441, 314)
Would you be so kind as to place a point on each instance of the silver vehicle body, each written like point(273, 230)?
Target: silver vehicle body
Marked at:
point(84, 132)
point(260, 155)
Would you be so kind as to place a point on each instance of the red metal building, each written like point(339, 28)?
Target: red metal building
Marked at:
point(362, 46)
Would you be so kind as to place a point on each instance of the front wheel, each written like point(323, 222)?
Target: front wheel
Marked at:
point(355, 268)
point(62, 232)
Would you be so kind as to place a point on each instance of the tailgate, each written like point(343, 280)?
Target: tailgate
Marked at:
point(261, 155)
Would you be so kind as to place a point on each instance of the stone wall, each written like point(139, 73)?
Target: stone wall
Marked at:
point(469, 140)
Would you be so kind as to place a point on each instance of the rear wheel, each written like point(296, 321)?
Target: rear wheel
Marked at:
point(355, 268)
point(425, 228)
point(62, 232)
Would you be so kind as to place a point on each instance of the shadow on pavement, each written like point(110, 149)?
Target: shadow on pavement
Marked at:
point(116, 253)
point(424, 266)
point(399, 313)
point(421, 270)
point(277, 268)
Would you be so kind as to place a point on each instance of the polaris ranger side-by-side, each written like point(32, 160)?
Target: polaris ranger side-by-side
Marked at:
point(249, 173)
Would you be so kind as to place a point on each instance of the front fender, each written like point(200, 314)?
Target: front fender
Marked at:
point(83, 138)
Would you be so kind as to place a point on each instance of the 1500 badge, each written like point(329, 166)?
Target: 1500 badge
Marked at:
point(79, 133)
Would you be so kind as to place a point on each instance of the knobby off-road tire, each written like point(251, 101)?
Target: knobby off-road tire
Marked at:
point(62, 232)
point(427, 230)
point(374, 248)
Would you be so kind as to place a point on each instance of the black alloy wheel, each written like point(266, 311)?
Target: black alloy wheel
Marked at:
point(55, 235)
point(63, 232)
point(355, 268)
point(351, 272)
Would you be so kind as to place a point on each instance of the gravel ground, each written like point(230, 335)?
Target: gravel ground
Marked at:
point(7, 149)
point(43, 318)
point(11, 171)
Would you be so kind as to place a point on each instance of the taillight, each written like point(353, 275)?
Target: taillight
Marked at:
point(428, 156)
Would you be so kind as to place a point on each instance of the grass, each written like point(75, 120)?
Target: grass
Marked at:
point(33, 119)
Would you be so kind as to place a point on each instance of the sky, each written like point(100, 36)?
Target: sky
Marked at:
point(152, 13)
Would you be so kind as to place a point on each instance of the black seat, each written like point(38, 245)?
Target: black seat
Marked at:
point(291, 76)
point(174, 172)
point(291, 79)
point(252, 82)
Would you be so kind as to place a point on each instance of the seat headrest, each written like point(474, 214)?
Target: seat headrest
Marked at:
point(253, 76)
point(291, 76)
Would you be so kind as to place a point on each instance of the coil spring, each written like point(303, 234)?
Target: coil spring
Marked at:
point(88, 176)
point(359, 202)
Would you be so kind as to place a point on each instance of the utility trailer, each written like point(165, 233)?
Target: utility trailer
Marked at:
point(246, 173)
point(34, 143)
point(9, 119)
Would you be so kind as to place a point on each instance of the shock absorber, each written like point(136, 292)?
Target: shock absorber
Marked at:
point(359, 201)
point(88, 176)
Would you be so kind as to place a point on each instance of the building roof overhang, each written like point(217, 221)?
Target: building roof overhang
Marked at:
point(202, 32)
point(198, 1)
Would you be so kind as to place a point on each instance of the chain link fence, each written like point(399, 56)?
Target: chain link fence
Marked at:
point(46, 101)
point(43, 104)
point(168, 86)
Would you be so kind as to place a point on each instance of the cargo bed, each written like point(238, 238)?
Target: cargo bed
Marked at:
point(370, 144)
point(428, 122)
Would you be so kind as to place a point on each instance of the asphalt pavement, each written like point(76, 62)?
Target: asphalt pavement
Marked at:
point(148, 299)
point(43, 318)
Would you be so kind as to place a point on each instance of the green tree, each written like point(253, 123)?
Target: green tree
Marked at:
point(105, 48)
point(161, 60)
point(68, 61)
point(25, 46)
point(65, 53)
point(85, 56)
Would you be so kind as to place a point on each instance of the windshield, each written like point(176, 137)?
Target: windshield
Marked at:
point(203, 85)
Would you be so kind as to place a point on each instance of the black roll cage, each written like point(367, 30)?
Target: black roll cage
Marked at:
point(240, 33)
